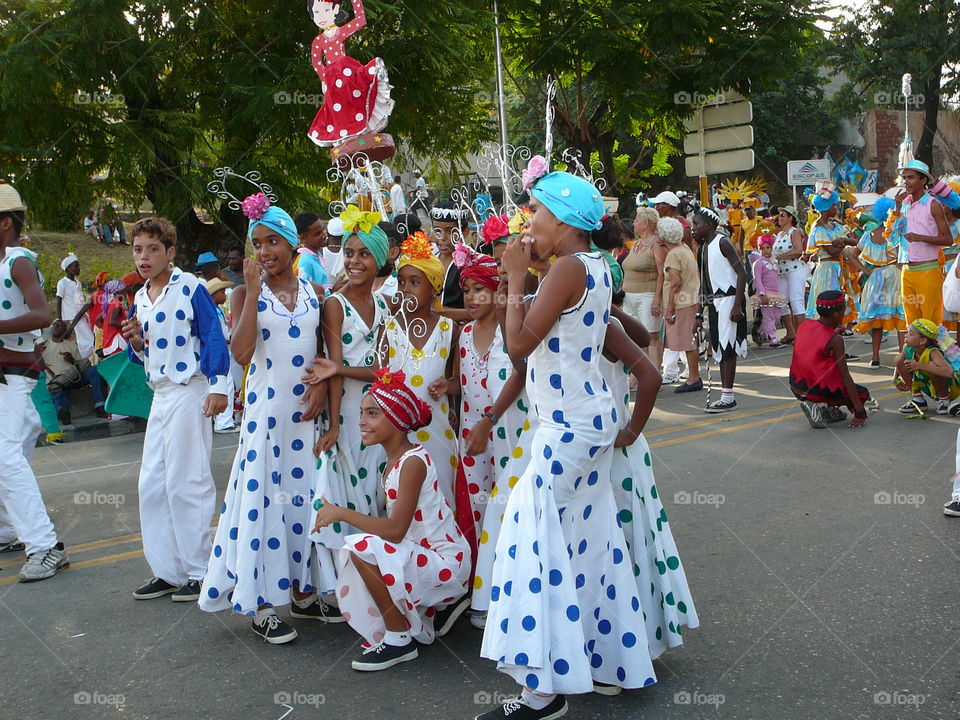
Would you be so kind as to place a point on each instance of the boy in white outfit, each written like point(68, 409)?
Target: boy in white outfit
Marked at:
point(174, 331)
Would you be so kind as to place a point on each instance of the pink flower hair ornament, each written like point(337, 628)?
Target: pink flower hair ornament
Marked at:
point(536, 169)
point(255, 206)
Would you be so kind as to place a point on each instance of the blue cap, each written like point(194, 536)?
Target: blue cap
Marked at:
point(917, 166)
point(571, 199)
point(207, 257)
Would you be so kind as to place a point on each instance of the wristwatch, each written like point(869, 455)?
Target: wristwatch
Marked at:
point(494, 419)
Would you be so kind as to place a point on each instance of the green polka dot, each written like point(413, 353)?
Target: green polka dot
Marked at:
point(341, 419)
point(6, 304)
point(353, 480)
point(336, 527)
point(682, 606)
point(501, 433)
point(625, 516)
point(347, 338)
point(627, 484)
point(362, 472)
point(503, 461)
point(671, 627)
point(659, 633)
point(502, 374)
point(669, 599)
point(19, 341)
point(8, 283)
point(661, 568)
point(653, 491)
point(1, 343)
point(673, 562)
point(646, 459)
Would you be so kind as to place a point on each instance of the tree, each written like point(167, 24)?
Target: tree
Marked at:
point(888, 38)
point(149, 96)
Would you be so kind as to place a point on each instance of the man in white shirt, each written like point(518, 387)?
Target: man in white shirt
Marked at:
point(420, 195)
point(398, 203)
point(72, 305)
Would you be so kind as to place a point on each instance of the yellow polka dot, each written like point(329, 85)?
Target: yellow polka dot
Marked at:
point(493, 493)
point(477, 582)
point(453, 462)
point(448, 434)
point(416, 380)
point(526, 424)
point(393, 352)
point(484, 537)
point(443, 408)
point(423, 435)
point(392, 325)
point(443, 353)
point(444, 325)
point(513, 481)
point(517, 452)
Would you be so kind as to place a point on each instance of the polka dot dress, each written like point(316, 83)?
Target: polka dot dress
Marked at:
point(661, 582)
point(262, 547)
point(564, 610)
point(430, 567)
point(349, 474)
point(421, 368)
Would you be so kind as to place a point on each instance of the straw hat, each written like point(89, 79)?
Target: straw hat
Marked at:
point(10, 199)
point(216, 284)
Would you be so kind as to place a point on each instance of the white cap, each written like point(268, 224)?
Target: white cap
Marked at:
point(665, 197)
point(335, 227)
point(10, 199)
point(68, 261)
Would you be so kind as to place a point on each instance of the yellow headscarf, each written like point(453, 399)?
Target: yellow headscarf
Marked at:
point(416, 252)
point(927, 328)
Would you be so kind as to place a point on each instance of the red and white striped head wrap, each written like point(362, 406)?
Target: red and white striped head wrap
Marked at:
point(477, 267)
point(398, 402)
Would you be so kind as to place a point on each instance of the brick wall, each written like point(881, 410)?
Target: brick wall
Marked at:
point(883, 132)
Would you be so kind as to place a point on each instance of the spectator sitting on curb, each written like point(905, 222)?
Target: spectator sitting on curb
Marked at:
point(68, 370)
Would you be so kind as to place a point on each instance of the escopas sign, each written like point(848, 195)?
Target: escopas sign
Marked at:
point(807, 172)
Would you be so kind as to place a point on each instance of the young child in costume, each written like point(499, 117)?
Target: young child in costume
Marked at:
point(262, 554)
point(173, 330)
point(397, 569)
point(928, 367)
point(564, 612)
point(312, 234)
point(449, 223)
point(818, 371)
point(420, 343)
point(767, 297)
point(826, 242)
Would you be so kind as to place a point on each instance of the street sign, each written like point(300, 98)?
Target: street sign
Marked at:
point(739, 136)
point(807, 172)
point(719, 163)
point(714, 116)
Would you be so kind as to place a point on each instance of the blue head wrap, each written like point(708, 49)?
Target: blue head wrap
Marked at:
point(571, 199)
point(279, 221)
point(881, 209)
point(821, 203)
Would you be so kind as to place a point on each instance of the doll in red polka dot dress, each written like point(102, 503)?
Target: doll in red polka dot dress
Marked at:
point(356, 98)
point(400, 569)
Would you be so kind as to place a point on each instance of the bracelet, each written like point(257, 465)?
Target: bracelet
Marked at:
point(494, 419)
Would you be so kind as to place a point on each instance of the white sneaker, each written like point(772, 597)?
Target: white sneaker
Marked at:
point(479, 619)
point(43, 565)
point(669, 379)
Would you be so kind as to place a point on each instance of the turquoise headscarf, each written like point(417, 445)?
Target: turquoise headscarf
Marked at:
point(820, 203)
point(277, 219)
point(376, 241)
point(571, 199)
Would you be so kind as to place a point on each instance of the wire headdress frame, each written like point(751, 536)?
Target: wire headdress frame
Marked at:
point(253, 178)
point(366, 176)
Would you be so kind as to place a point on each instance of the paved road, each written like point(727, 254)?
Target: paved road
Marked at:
point(823, 570)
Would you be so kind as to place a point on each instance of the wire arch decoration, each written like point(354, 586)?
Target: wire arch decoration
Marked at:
point(592, 171)
point(367, 175)
point(507, 163)
point(401, 323)
point(548, 116)
point(218, 186)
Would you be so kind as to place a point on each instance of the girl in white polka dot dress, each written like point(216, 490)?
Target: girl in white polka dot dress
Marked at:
point(420, 343)
point(564, 614)
point(400, 567)
point(262, 553)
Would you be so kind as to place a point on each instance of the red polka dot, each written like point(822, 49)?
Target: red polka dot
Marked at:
point(392, 494)
point(473, 488)
point(470, 461)
point(418, 516)
point(389, 548)
point(463, 379)
point(459, 557)
point(389, 579)
point(476, 516)
point(409, 587)
point(430, 612)
point(421, 560)
point(361, 546)
point(409, 605)
point(466, 406)
point(346, 615)
point(463, 352)
point(483, 383)
point(343, 591)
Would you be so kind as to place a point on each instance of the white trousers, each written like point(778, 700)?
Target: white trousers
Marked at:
point(22, 512)
point(177, 494)
point(85, 339)
point(956, 481)
point(671, 361)
point(224, 421)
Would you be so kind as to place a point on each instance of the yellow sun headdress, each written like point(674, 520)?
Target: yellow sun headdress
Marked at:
point(417, 252)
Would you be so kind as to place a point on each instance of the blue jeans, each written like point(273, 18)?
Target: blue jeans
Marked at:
point(91, 377)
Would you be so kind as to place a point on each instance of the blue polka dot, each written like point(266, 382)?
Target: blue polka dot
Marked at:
point(251, 455)
point(297, 415)
point(273, 543)
point(269, 363)
point(554, 344)
point(582, 547)
point(512, 551)
point(507, 587)
point(297, 473)
point(213, 593)
point(255, 544)
point(561, 667)
point(494, 593)
point(606, 316)
point(535, 585)
point(276, 451)
point(593, 450)
point(298, 389)
point(593, 477)
point(217, 551)
point(297, 529)
point(265, 333)
point(556, 468)
point(588, 318)
point(612, 591)
point(586, 511)
point(598, 422)
point(555, 381)
point(635, 604)
point(558, 417)
point(251, 398)
point(181, 315)
point(591, 283)
point(296, 500)
point(556, 577)
point(275, 476)
point(503, 625)
point(573, 613)
point(604, 627)
point(186, 290)
point(297, 444)
point(589, 388)
point(587, 354)
point(271, 393)
point(617, 556)
point(294, 332)
point(283, 584)
point(648, 682)
point(547, 451)
point(621, 674)
point(181, 366)
point(180, 341)
point(161, 343)
point(252, 485)
point(297, 556)
point(266, 502)
point(629, 640)
point(252, 515)
point(261, 306)
point(532, 681)
point(234, 533)
point(566, 437)
point(580, 581)
point(271, 423)
point(297, 360)
point(521, 659)
point(161, 316)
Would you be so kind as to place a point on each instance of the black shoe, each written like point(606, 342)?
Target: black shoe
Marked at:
point(273, 630)
point(719, 406)
point(12, 546)
point(952, 508)
point(153, 589)
point(187, 593)
point(444, 619)
point(874, 363)
point(689, 387)
point(910, 407)
point(317, 610)
point(383, 656)
point(848, 356)
point(516, 709)
point(100, 412)
point(64, 417)
point(834, 414)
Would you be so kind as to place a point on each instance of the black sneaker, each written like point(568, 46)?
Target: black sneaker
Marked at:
point(317, 610)
point(719, 406)
point(814, 414)
point(848, 356)
point(12, 546)
point(383, 656)
point(517, 709)
point(187, 593)
point(153, 589)
point(952, 508)
point(874, 363)
point(695, 386)
point(64, 417)
point(273, 630)
point(444, 620)
point(910, 407)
